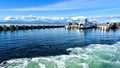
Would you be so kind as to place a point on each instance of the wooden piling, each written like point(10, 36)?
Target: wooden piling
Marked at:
point(17, 27)
point(20, 27)
point(28, 27)
point(12, 27)
point(43, 26)
point(24, 27)
point(31, 26)
point(35, 27)
point(1, 28)
point(5, 28)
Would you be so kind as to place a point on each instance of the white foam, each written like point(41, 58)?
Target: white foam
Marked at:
point(42, 65)
point(95, 54)
point(85, 65)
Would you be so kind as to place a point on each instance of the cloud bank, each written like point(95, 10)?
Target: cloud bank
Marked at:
point(31, 18)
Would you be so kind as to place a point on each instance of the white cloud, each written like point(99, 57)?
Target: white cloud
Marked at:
point(31, 18)
point(9, 18)
point(40, 18)
point(78, 17)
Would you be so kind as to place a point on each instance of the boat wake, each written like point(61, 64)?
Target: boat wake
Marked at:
point(92, 56)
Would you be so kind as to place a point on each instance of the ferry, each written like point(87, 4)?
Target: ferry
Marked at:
point(82, 25)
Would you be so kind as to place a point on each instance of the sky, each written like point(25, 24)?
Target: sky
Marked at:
point(59, 8)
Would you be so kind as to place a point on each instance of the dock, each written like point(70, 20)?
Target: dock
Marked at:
point(108, 26)
point(103, 26)
point(26, 27)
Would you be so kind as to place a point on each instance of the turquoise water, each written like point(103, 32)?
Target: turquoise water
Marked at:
point(93, 56)
point(60, 48)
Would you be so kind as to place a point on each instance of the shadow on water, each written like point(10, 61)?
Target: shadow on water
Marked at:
point(50, 42)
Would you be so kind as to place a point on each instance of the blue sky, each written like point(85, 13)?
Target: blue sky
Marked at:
point(59, 8)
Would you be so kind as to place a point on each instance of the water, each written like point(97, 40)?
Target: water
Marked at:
point(60, 48)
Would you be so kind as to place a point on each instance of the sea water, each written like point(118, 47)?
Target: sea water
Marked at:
point(60, 48)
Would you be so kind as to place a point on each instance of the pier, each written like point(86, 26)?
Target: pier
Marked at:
point(25, 27)
point(103, 26)
point(108, 26)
